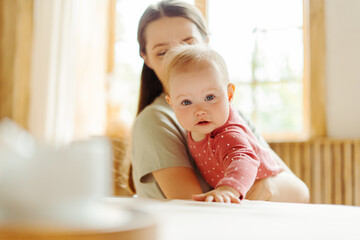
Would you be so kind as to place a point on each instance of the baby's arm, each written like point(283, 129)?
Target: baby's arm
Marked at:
point(239, 161)
point(240, 166)
point(225, 194)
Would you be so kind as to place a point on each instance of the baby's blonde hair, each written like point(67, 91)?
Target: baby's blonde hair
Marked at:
point(190, 58)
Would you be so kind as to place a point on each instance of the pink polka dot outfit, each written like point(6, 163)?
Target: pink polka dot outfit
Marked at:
point(231, 155)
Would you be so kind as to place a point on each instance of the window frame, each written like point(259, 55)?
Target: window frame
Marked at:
point(314, 69)
point(16, 31)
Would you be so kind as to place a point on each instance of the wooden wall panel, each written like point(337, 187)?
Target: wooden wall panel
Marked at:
point(330, 168)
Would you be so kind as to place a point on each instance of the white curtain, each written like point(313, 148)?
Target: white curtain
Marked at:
point(68, 94)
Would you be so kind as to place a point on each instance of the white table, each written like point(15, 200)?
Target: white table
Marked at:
point(187, 220)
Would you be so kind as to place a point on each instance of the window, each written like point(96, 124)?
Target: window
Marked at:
point(262, 44)
point(279, 86)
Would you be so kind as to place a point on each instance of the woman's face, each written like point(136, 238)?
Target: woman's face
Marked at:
point(165, 33)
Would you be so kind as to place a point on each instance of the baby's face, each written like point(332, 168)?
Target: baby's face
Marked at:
point(200, 100)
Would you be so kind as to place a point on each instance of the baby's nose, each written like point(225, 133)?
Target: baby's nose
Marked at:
point(200, 112)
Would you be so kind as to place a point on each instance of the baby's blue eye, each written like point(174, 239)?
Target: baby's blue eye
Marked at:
point(186, 102)
point(209, 97)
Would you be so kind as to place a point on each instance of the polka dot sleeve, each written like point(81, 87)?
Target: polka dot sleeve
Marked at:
point(238, 159)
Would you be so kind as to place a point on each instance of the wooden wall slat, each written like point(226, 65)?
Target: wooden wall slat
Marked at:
point(347, 173)
point(296, 158)
point(338, 174)
point(307, 170)
point(357, 173)
point(328, 173)
point(316, 174)
point(275, 147)
point(286, 154)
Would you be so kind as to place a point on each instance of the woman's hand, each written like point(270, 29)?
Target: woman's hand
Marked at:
point(224, 194)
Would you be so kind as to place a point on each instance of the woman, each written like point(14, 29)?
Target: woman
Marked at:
point(162, 165)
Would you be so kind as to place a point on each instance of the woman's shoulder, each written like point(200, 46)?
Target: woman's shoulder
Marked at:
point(156, 127)
point(158, 111)
point(157, 117)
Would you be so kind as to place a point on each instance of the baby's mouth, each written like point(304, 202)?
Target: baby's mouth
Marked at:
point(201, 123)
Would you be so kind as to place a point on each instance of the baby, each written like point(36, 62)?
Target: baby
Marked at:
point(227, 153)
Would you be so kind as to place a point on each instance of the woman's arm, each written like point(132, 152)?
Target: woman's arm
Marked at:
point(284, 187)
point(177, 182)
point(289, 188)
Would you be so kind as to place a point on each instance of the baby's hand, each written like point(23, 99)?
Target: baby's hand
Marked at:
point(224, 194)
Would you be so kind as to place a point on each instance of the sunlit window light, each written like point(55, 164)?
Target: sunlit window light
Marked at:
point(262, 43)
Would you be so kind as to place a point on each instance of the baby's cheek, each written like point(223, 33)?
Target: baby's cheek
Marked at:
point(222, 113)
point(184, 119)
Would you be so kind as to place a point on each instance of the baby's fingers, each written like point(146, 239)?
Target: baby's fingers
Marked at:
point(219, 198)
point(227, 199)
point(234, 199)
point(199, 197)
point(230, 198)
point(209, 198)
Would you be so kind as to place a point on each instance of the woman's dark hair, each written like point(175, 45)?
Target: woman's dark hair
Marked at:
point(150, 86)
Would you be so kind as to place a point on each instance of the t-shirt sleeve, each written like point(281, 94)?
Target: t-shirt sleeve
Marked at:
point(239, 161)
point(157, 143)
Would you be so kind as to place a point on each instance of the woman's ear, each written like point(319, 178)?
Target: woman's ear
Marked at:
point(146, 60)
point(231, 91)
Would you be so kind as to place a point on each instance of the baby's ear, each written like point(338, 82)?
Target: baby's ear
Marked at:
point(167, 97)
point(231, 91)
